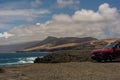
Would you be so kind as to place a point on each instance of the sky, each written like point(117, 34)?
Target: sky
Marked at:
point(34, 20)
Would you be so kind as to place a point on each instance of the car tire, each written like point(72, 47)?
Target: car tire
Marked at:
point(99, 60)
point(108, 57)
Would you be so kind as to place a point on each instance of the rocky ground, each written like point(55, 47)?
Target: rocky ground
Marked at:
point(62, 71)
point(66, 56)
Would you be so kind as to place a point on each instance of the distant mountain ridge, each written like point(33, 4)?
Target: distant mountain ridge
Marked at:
point(48, 42)
point(64, 40)
point(69, 43)
point(16, 47)
point(53, 43)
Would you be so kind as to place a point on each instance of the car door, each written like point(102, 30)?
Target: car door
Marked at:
point(117, 50)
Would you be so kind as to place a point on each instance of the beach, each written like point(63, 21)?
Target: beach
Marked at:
point(62, 71)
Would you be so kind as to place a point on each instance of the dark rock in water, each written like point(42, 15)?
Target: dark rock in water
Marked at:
point(2, 70)
point(65, 56)
point(37, 60)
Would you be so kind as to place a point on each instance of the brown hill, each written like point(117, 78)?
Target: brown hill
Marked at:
point(69, 43)
point(53, 43)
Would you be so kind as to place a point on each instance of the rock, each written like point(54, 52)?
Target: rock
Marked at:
point(37, 60)
point(65, 56)
point(2, 70)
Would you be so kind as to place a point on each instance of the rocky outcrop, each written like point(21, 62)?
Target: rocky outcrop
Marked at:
point(2, 70)
point(65, 56)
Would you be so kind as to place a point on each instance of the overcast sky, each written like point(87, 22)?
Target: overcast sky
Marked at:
point(32, 20)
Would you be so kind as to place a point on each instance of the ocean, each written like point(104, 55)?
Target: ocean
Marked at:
point(19, 58)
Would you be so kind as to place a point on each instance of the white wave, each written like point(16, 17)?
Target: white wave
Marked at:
point(7, 64)
point(26, 60)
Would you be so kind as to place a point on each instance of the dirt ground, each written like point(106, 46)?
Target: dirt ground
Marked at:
point(63, 71)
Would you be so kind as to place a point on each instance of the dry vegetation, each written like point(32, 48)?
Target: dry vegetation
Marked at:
point(65, 56)
point(63, 71)
point(48, 47)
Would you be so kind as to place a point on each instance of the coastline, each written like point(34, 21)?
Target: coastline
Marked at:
point(19, 58)
point(62, 71)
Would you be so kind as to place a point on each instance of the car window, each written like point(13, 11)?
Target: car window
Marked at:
point(118, 46)
point(111, 46)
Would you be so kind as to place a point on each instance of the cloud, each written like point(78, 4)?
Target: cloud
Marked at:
point(107, 12)
point(38, 24)
point(5, 27)
point(30, 19)
point(35, 3)
point(21, 15)
point(104, 23)
point(23, 12)
point(12, 16)
point(62, 18)
point(5, 35)
point(86, 15)
point(44, 25)
point(64, 3)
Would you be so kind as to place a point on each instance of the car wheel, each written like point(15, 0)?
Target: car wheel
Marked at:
point(99, 60)
point(108, 57)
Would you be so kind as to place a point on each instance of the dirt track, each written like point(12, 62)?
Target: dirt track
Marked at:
point(63, 71)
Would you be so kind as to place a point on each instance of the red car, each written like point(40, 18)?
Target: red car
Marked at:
point(109, 53)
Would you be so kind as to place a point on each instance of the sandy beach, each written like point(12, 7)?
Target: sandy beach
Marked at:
point(63, 71)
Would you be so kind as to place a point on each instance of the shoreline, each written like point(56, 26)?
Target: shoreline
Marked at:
point(15, 65)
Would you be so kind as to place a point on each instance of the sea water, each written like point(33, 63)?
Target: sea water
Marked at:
point(19, 58)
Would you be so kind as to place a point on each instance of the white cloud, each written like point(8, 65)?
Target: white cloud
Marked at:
point(64, 3)
point(44, 24)
point(107, 12)
point(87, 15)
point(62, 18)
point(37, 24)
point(8, 16)
point(99, 24)
point(23, 12)
point(5, 35)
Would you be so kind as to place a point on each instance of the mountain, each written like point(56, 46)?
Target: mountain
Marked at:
point(69, 43)
point(53, 43)
point(47, 43)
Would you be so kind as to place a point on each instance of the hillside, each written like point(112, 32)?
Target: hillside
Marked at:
point(69, 43)
point(53, 43)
